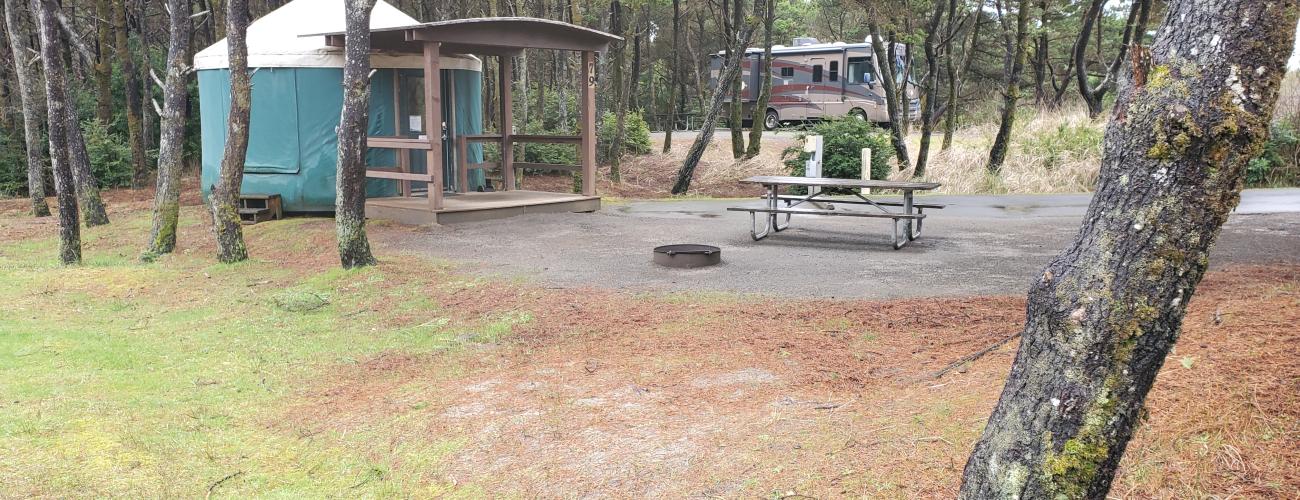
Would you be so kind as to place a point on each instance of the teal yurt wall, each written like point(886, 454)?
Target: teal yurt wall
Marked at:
point(292, 145)
point(297, 98)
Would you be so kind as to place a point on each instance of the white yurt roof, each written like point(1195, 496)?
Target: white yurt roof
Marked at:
point(274, 40)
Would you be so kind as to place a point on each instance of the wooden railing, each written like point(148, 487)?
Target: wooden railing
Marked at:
point(508, 172)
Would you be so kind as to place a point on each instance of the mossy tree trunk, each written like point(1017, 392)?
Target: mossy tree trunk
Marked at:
point(17, 29)
point(729, 72)
point(886, 76)
point(758, 118)
point(1014, 67)
point(135, 136)
point(57, 102)
point(225, 194)
point(1105, 313)
point(614, 150)
point(171, 146)
point(350, 189)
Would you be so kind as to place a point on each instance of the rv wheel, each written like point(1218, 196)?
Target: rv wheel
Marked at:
point(772, 120)
point(858, 113)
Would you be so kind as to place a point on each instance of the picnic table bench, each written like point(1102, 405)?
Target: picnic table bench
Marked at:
point(911, 215)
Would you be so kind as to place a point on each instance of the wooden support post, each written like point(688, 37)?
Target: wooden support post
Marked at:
point(462, 165)
point(866, 168)
point(403, 156)
point(587, 148)
point(507, 123)
point(433, 121)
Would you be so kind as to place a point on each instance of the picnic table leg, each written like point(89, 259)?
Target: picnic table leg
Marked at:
point(772, 203)
point(907, 209)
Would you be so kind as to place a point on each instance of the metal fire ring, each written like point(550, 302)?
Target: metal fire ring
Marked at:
point(687, 256)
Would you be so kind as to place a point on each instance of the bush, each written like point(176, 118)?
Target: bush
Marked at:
point(1067, 140)
point(636, 135)
point(13, 164)
point(560, 154)
point(842, 143)
point(1279, 165)
point(110, 155)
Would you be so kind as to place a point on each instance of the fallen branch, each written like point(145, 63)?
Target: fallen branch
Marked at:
point(222, 480)
point(974, 356)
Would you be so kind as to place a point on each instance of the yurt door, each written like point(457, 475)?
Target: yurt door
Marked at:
point(411, 106)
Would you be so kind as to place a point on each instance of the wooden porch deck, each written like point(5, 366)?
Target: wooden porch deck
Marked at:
point(471, 207)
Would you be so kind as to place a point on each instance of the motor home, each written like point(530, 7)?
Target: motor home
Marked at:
point(813, 81)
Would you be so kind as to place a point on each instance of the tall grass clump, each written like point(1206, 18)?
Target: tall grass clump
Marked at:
point(1052, 151)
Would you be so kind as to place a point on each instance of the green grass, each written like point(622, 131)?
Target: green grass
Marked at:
point(119, 378)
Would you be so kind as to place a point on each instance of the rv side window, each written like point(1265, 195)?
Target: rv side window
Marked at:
point(835, 71)
point(787, 72)
point(817, 73)
point(859, 70)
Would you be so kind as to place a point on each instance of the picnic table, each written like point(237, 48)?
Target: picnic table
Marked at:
point(911, 212)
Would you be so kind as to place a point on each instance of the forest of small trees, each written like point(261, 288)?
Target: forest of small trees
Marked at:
point(961, 53)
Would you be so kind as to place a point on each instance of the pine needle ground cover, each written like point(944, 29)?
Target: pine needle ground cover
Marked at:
point(285, 376)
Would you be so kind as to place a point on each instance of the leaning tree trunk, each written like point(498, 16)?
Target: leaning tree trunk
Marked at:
point(1104, 314)
point(764, 87)
point(1010, 95)
point(886, 66)
point(730, 72)
point(19, 41)
point(122, 46)
point(350, 189)
point(56, 97)
point(931, 88)
point(171, 147)
point(955, 75)
point(225, 194)
point(93, 211)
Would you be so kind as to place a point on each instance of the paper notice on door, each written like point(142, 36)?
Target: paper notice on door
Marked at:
point(415, 123)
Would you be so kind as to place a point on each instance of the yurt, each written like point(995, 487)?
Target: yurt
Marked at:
point(298, 96)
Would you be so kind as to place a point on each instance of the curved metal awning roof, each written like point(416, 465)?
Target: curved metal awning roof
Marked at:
point(485, 35)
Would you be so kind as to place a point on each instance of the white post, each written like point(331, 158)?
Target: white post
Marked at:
point(813, 167)
point(866, 168)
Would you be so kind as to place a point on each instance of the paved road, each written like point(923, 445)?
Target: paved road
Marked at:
point(978, 245)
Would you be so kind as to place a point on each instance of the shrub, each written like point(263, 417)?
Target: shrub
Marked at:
point(13, 164)
point(636, 135)
point(110, 155)
point(561, 154)
point(1060, 144)
point(842, 143)
point(1279, 164)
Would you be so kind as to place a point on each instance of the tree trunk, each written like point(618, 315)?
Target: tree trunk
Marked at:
point(103, 63)
point(171, 147)
point(955, 77)
point(56, 96)
point(931, 88)
point(350, 190)
point(1136, 24)
point(730, 72)
point(140, 171)
point(93, 212)
point(1011, 95)
point(886, 65)
point(736, 121)
point(614, 150)
point(759, 116)
point(225, 195)
point(1106, 312)
point(1041, 62)
point(676, 76)
point(16, 26)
